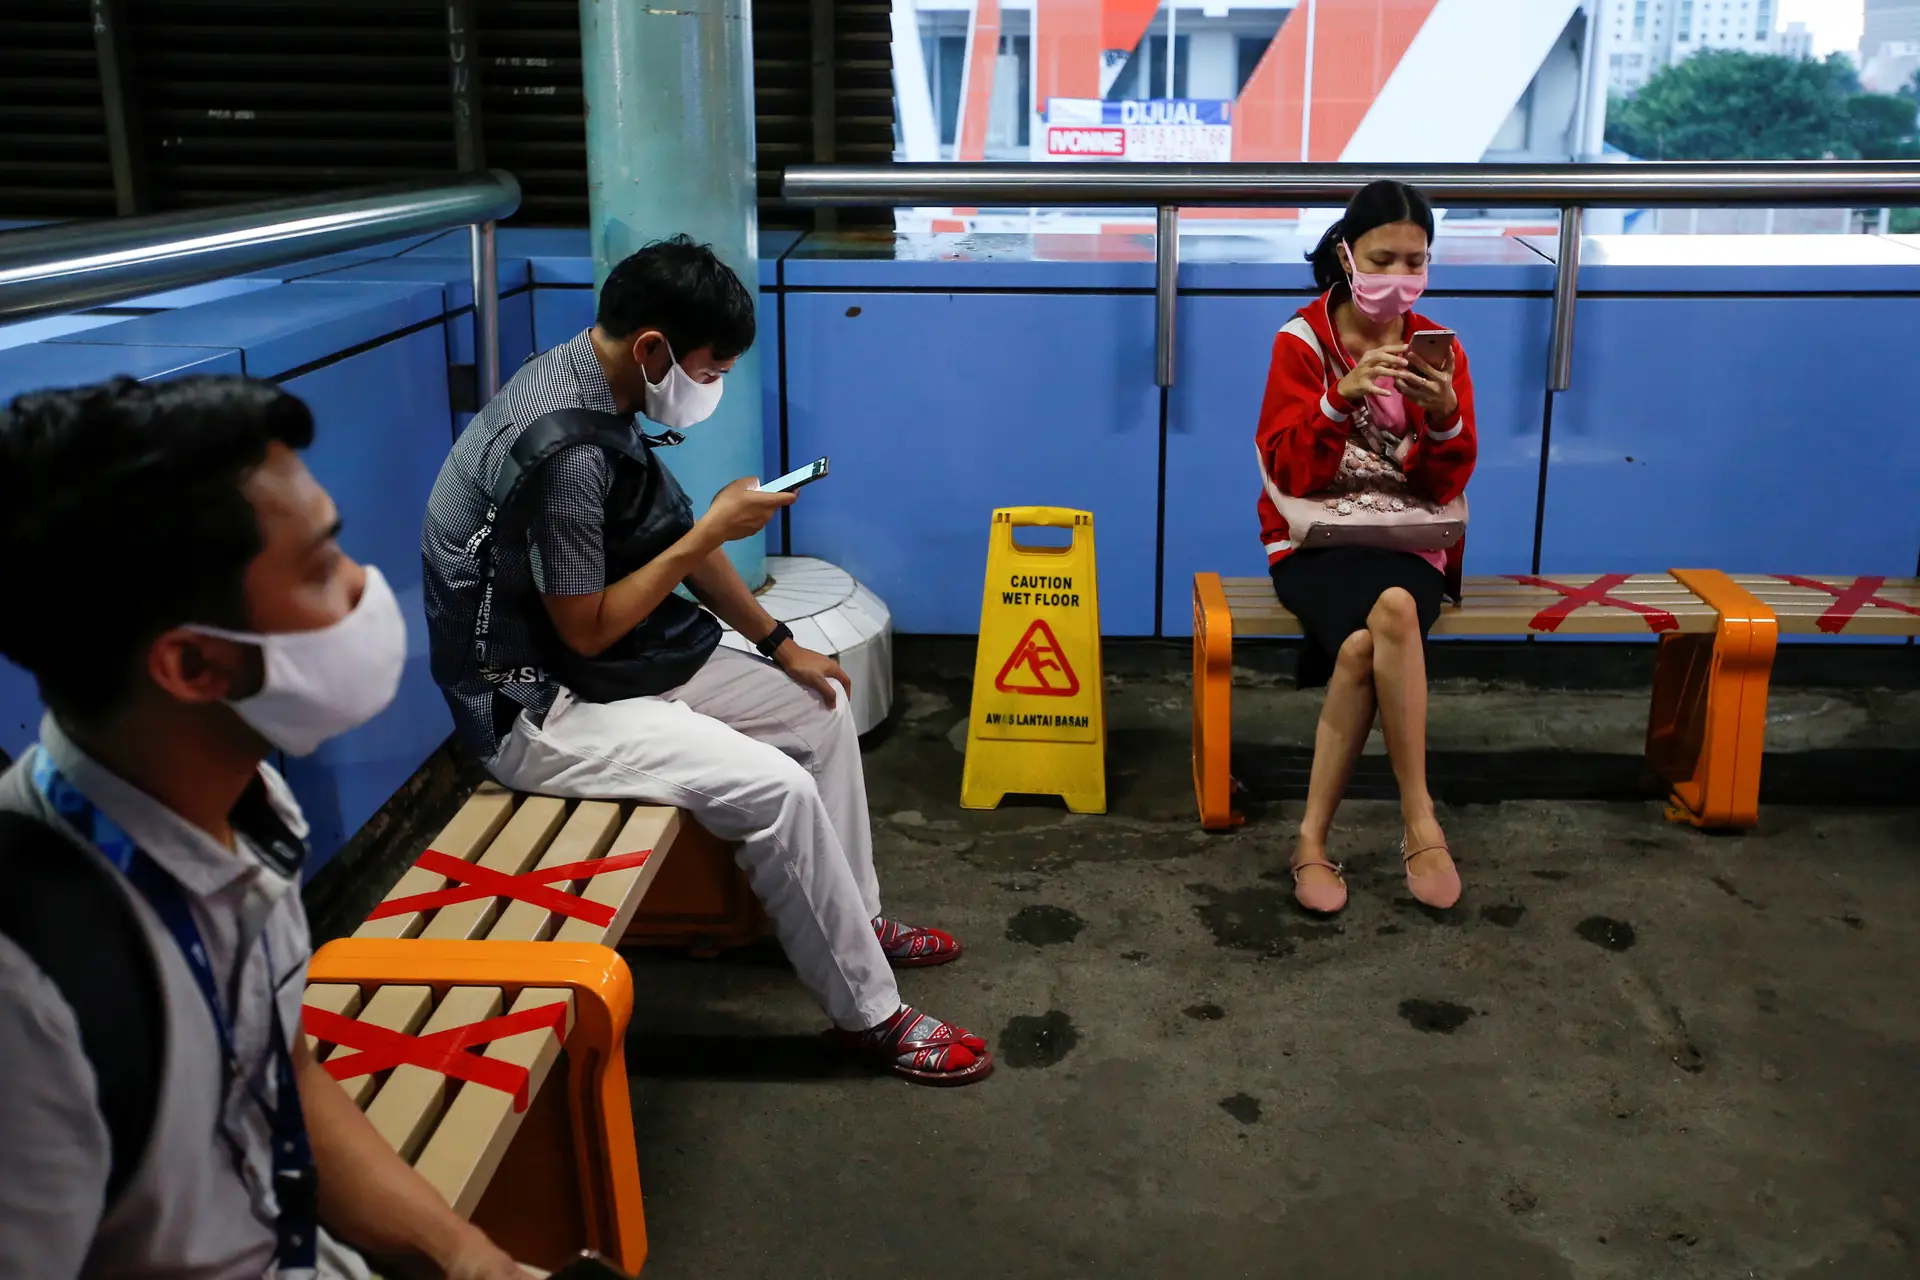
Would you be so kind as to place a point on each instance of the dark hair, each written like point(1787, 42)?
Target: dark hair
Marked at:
point(1377, 204)
point(683, 290)
point(121, 516)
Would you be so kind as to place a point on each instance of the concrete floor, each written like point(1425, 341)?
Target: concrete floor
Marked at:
point(1632, 1051)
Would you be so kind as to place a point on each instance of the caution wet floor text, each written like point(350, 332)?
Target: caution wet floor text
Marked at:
point(1037, 724)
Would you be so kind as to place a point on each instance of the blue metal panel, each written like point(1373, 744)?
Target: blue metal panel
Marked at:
point(767, 311)
point(195, 294)
point(380, 437)
point(938, 408)
point(26, 332)
point(56, 365)
point(1213, 480)
point(935, 262)
point(60, 364)
point(1759, 464)
point(284, 328)
point(558, 314)
point(1461, 264)
point(1743, 264)
point(452, 275)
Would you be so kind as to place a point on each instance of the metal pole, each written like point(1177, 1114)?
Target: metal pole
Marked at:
point(1306, 87)
point(1166, 274)
point(1118, 185)
point(1566, 287)
point(486, 311)
point(125, 151)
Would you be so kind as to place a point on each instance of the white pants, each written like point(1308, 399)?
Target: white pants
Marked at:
point(760, 760)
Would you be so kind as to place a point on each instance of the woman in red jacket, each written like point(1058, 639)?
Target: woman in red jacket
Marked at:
point(1365, 450)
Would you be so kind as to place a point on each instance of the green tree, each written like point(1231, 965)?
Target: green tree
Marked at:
point(1722, 104)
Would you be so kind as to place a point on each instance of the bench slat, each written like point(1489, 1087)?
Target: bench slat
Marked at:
point(534, 825)
point(471, 830)
point(479, 1124)
point(1499, 606)
point(650, 827)
point(396, 1008)
point(408, 1106)
point(586, 836)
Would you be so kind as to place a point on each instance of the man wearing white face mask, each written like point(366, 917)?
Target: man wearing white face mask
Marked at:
point(573, 667)
point(163, 1115)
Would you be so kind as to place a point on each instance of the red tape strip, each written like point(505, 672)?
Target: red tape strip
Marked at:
point(1848, 601)
point(444, 1052)
point(1595, 592)
point(484, 882)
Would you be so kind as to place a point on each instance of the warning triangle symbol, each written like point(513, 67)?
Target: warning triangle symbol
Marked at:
point(1038, 666)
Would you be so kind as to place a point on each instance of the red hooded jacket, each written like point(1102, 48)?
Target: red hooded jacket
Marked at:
point(1304, 426)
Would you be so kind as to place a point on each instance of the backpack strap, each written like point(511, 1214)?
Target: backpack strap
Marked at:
point(537, 442)
point(64, 910)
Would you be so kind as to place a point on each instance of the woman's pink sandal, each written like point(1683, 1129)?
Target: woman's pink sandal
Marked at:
point(1324, 898)
point(919, 1047)
point(1438, 889)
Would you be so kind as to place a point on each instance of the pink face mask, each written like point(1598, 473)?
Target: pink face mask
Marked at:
point(1381, 297)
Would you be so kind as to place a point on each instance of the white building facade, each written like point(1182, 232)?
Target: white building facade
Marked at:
point(1645, 36)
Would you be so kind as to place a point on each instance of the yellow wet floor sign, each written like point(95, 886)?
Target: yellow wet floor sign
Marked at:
point(1038, 724)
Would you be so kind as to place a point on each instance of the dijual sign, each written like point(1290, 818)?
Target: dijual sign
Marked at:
point(1158, 130)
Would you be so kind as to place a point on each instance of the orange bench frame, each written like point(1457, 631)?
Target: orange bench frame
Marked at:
point(570, 1178)
point(1706, 726)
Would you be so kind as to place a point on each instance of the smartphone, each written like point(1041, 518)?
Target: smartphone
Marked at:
point(589, 1266)
point(1433, 346)
point(815, 470)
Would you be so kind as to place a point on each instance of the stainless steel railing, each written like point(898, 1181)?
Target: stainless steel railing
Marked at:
point(1169, 187)
point(73, 265)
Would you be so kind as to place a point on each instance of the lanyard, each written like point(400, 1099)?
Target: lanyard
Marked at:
point(294, 1184)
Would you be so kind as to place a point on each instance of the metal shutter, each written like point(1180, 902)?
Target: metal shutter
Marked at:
point(53, 139)
point(241, 100)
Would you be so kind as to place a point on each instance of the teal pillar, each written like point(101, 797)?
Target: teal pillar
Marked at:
point(669, 97)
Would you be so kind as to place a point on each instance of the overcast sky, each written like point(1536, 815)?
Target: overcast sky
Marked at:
point(1835, 23)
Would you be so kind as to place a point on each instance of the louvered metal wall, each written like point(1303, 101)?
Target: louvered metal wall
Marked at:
point(53, 139)
point(232, 100)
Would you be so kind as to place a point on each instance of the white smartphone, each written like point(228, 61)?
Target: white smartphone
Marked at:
point(815, 470)
point(1433, 346)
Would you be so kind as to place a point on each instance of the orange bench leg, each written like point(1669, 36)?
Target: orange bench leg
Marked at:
point(700, 898)
point(606, 1165)
point(1213, 704)
point(1706, 728)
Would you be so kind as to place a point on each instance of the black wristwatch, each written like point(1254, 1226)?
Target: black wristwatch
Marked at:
point(780, 634)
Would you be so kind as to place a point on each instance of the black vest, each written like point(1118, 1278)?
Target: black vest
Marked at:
point(646, 513)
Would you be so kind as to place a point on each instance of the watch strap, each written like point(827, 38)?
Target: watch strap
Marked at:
point(780, 634)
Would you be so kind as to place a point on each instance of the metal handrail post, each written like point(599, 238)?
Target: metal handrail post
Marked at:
point(1566, 291)
point(486, 310)
point(1166, 279)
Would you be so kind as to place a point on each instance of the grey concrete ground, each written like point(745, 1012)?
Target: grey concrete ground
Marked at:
point(1632, 1051)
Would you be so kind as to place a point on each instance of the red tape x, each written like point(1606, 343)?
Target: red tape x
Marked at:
point(483, 882)
point(1850, 600)
point(443, 1051)
point(1595, 592)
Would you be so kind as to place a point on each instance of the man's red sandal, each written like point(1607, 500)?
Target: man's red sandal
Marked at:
point(919, 1047)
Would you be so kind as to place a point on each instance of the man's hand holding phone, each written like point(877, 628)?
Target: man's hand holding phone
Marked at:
point(742, 509)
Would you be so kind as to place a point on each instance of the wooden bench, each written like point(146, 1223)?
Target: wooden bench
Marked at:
point(1708, 714)
point(512, 912)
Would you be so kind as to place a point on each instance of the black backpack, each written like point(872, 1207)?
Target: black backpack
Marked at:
point(646, 513)
point(64, 910)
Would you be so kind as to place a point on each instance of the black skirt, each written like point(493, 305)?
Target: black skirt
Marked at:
point(1332, 591)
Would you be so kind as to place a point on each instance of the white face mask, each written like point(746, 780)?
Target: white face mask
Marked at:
point(677, 401)
point(322, 683)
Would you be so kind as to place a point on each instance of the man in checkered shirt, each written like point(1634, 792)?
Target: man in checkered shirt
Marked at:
point(761, 750)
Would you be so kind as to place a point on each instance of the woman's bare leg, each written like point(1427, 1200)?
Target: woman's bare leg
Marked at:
point(1400, 680)
point(1346, 717)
